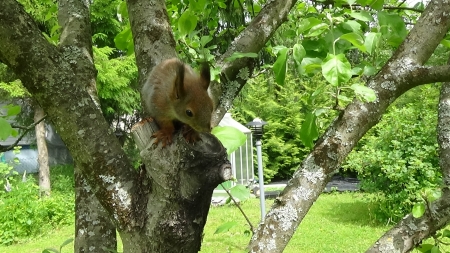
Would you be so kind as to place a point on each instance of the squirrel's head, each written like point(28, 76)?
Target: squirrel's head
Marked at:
point(194, 106)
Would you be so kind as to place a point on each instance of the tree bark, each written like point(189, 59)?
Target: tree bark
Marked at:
point(44, 170)
point(402, 72)
point(94, 230)
point(182, 178)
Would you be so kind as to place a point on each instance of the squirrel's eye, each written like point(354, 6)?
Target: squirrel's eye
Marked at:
point(189, 113)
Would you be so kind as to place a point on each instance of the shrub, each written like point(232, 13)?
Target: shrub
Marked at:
point(398, 158)
point(23, 214)
point(284, 108)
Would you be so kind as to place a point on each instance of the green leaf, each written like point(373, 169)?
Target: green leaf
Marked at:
point(310, 65)
point(50, 250)
point(299, 53)
point(230, 137)
point(362, 15)
point(197, 5)
point(240, 191)
point(5, 129)
point(66, 242)
point(237, 55)
point(446, 233)
point(369, 71)
point(205, 40)
point(425, 247)
point(317, 30)
point(435, 249)
point(122, 10)
point(124, 41)
point(225, 227)
point(392, 27)
point(365, 92)
point(280, 66)
point(187, 22)
point(355, 39)
point(352, 25)
point(446, 43)
point(309, 131)
point(377, 4)
point(14, 133)
point(306, 24)
point(12, 110)
point(371, 41)
point(418, 210)
point(433, 194)
point(336, 69)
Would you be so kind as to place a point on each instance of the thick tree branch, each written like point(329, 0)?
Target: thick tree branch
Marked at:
point(251, 39)
point(76, 45)
point(49, 76)
point(152, 34)
point(26, 130)
point(424, 75)
point(331, 149)
point(387, 7)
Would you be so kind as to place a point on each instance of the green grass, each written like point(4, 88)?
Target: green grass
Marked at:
point(335, 223)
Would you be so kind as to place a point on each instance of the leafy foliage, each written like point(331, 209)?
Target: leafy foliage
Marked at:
point(285, 109)
point(398, 158)
point(116, 83)
point(24, 214)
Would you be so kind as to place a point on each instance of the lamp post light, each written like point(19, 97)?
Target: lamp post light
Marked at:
point(257, 127)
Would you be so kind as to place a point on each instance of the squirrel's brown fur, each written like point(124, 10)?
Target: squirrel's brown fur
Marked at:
point(173, 93)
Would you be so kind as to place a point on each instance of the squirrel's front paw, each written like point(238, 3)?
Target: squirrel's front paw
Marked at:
point(163, 137)
point(190, 135)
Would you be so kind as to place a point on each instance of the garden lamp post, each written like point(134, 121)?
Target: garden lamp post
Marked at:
point(257, 127)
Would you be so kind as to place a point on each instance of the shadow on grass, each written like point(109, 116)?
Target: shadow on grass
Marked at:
point(357, 211)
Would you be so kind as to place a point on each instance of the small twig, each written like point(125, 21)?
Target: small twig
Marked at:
point(240, 209)
point(27, 129)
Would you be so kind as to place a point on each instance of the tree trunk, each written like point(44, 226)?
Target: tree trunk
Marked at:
point(44, 170)
point(180, 179)
point(94, 231)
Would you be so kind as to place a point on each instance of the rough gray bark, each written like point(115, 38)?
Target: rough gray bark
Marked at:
point(402, 72)
point(152, 34)
point(44, 170)
point(181, 187)
point(94, 231)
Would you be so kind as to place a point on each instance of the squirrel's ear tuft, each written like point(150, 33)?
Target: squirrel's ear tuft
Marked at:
point(179, 80)
point(205, 74)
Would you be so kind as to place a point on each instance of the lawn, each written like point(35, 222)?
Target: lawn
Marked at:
point(338, 222)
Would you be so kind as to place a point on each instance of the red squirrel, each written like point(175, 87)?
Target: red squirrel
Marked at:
point(175, 93)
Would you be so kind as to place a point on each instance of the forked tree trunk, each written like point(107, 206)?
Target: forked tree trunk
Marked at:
point(44, 170)
point(180, 179)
